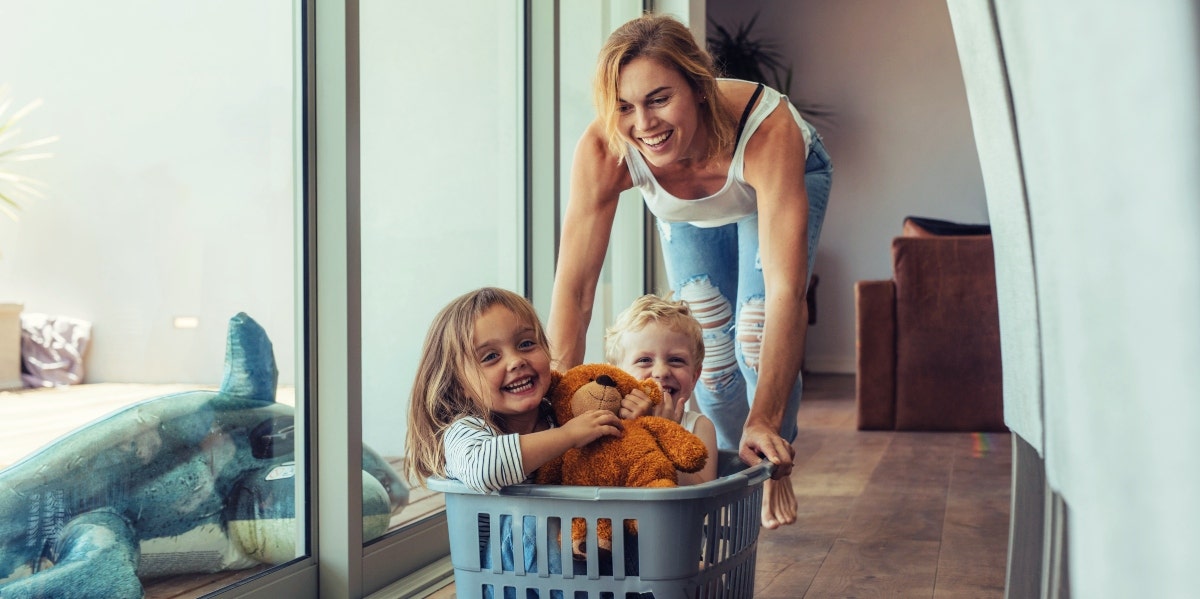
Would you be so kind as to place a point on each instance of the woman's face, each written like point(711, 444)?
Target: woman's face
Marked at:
point(658, 112)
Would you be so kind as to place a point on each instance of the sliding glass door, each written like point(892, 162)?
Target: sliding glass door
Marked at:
point(160, 272)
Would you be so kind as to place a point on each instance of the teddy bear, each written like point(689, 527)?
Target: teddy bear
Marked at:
point(646, 455)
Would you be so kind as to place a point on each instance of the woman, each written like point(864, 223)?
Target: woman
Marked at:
point(738, 182)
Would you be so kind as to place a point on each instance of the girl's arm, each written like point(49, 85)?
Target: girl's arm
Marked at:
point(543, 446)
point(480, 457)
point(486, 460)
point(775, 158)
point(597, 181)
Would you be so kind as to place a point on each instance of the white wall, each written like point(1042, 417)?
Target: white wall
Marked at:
point(901, 139)
point(171, 189)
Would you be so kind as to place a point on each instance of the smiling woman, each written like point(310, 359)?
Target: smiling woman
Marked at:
point(738, 181)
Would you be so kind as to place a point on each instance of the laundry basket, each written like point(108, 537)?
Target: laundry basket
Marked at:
point(694, 541)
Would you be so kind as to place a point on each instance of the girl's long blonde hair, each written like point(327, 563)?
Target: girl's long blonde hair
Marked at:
point(447, 377)
point(667, 41)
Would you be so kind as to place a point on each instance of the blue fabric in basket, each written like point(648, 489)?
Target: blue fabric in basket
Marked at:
point(529, 553)
point(528, 550)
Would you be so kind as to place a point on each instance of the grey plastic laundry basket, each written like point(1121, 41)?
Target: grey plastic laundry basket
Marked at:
point(696, 541)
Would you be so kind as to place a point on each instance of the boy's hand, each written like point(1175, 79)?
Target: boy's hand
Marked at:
point(591, 425)
point(669, 408)
point(637, 403)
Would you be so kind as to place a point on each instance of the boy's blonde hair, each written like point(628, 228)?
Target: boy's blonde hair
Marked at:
point(448, 377)
point(650, 308)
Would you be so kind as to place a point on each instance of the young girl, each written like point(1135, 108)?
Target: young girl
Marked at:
point(479, 412)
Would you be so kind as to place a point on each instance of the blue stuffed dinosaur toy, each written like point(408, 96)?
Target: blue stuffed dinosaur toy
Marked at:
point(194, 482)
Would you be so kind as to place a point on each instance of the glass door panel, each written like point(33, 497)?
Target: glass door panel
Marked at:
point(442, 189)
point(167, 231)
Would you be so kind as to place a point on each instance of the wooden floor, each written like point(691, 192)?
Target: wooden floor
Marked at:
point(885, 514)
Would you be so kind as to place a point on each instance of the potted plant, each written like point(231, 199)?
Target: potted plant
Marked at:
point(740, 54)
point(14, 189)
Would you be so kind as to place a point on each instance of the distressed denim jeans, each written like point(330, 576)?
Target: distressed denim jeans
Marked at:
point(718, 271)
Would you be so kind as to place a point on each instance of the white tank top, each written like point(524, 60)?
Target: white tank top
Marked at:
point(733, 202)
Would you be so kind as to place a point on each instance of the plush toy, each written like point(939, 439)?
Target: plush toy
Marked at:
point(647, 455)
point(194, 482)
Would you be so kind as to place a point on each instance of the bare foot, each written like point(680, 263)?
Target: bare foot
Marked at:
point(779, 503)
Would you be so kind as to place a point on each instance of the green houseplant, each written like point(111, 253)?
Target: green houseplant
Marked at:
point(740, 53)
point(15, 187)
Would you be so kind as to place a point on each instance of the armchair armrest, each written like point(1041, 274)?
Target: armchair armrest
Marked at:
point(875, 309)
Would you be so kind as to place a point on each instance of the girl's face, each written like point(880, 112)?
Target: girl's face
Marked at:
point(515, 369)
point(663, 354)
point(658, 112)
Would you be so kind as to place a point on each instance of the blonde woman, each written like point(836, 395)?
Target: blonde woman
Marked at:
point(738, 181)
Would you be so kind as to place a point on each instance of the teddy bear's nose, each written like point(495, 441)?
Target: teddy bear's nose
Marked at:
point(606, 380)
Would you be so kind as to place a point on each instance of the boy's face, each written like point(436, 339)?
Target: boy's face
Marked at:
point(663, 354)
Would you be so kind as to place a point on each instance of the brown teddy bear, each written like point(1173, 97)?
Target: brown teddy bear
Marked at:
point(646, 455)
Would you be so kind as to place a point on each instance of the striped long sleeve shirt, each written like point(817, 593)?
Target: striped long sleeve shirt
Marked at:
point(482, 457)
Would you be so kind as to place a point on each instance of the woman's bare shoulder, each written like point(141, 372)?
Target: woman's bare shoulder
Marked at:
point(598, 163)
point(736, 93)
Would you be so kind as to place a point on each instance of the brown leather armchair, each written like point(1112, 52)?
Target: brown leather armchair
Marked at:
point(928, 346)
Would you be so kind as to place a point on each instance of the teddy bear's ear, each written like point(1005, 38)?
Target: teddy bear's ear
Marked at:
point(653, 390)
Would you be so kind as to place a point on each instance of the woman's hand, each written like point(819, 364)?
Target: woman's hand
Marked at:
point(761, 442)
point(591, 425)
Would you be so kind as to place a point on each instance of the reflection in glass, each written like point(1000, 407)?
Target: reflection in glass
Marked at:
point(442, 199)
point(171, 205)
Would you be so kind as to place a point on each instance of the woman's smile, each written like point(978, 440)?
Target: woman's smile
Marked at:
point(657, 140)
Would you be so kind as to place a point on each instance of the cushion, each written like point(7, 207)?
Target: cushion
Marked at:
point(918, 226)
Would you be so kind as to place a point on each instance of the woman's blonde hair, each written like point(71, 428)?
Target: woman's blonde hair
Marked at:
point(448, 379)
point(664, 39)
point(673, 314)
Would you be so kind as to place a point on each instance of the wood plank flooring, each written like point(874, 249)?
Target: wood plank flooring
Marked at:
point(885, 514)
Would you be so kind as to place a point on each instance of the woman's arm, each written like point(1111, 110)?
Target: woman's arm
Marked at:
point(597, 181)
point(775, 158)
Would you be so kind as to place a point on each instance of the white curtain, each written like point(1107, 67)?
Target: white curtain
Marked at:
point(1106, 98)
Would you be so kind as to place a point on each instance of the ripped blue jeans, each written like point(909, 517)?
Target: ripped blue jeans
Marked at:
point(717, 270)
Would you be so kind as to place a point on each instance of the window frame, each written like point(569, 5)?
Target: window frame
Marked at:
point(416, 557)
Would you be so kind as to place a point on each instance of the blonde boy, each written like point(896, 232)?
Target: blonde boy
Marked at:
point(660, 339)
